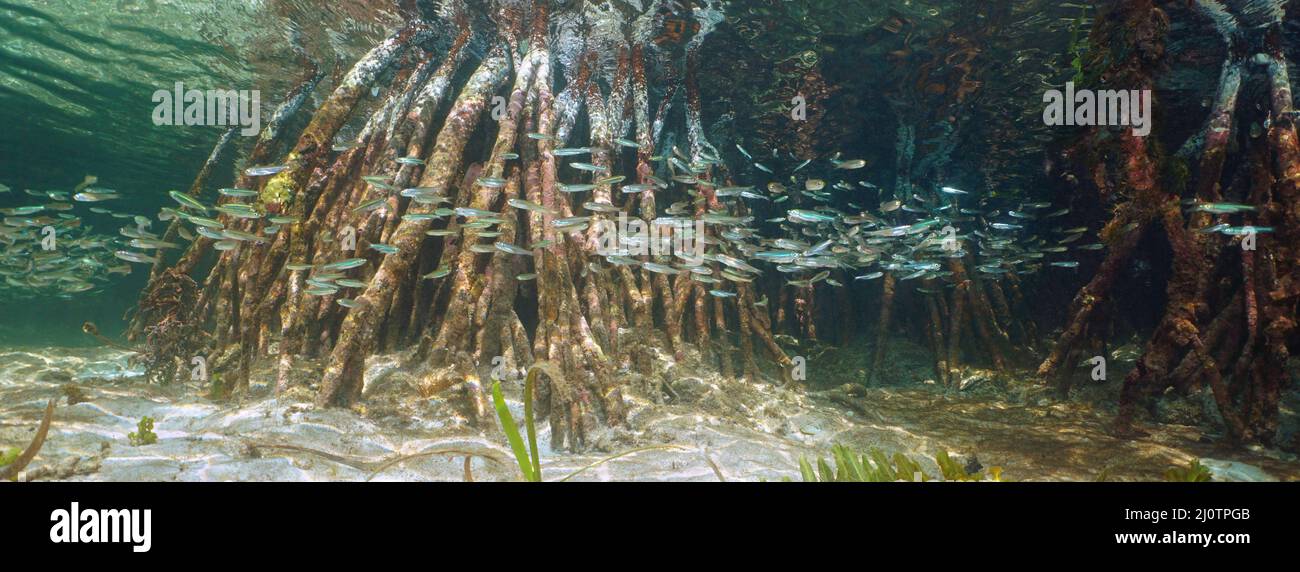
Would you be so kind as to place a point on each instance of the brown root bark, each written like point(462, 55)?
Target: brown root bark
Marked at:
point(342, 383)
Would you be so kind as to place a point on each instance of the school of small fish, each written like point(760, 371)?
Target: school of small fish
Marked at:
point(818, 224)
point(821, 223)
point(47, 250)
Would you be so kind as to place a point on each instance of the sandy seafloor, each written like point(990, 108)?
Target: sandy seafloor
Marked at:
point(715, 429)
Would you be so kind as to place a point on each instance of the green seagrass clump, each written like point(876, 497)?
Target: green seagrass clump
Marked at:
point(526, 455)
point(9, 455)
point(875, 467)
point(143, 435)
point(1194, 472)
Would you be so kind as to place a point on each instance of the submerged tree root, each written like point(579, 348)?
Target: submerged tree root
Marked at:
point(441, 284)
point(450, 211)
point(1216, 342)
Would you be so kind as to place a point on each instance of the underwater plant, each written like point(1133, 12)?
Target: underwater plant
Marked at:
point(74, 394)
point(1194, 472)
point(9, 455)
point(876, 467)
point(526, 456)
point(143, 434)
point(1078, 47)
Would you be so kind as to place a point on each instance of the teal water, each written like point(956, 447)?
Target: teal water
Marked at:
point(76, 85)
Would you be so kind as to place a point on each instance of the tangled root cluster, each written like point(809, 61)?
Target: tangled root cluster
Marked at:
point(172, 334)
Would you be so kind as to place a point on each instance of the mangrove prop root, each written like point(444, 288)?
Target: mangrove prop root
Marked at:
point(1239, 354)
point(173, 336)
point(882, 328)
point(461, 304)
point(954, 333)
point(274, 132)
point(341, 384)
